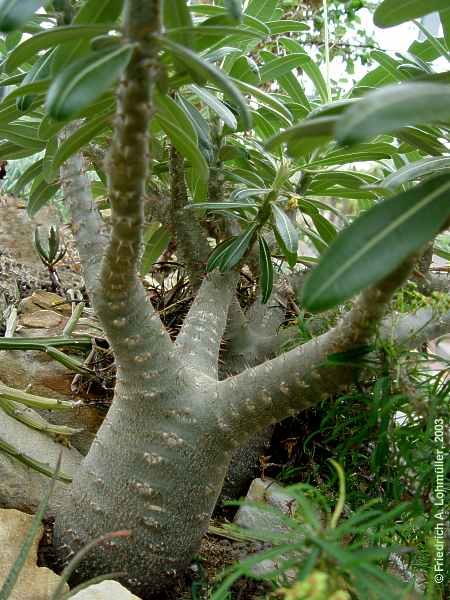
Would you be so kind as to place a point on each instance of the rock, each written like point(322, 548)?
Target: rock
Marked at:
point(40, 299)
point(34, 583)
point(43, 319)
point(106, 590)
point(265, 491)
point(269, 492)
point(20, 486)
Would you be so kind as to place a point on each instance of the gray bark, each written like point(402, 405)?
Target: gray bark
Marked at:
point(157, 464)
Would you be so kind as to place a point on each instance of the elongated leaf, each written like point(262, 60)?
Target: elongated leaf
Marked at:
point(10, 151)
point(261, 9)
point(82, 136)
point(176, 14)
point(185, 146)
point(13, 13)
point(264, 98)
point(22, 134)
point(308, 65)
point(222, 205)
point(227, 254)
point(445, 22)
point(394, 12)
point(27, 176)
point(415, 170)
point(266, 270)
point(287, 234)
point(92, 11)
point(84, 81)
point(324, 227)
point(154, 247)
point(234, 9)
point(321, 127)
point(48, 172)
point(216, 105)
point(210, 72)
point(377, 243)
point(286, 26)
point(41, 193)
point(280, 66)
point(246, 69)
point(388, 109)
point(172, 111)
point(38, 87)
point(49, 38)
point(218, 254)
point(39, 71)
point(358, 153)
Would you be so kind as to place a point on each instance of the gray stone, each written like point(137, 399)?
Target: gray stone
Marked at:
point(34, 583)
point(106, 590)
point(265, 491)
point(269, 492)
point(22, 487)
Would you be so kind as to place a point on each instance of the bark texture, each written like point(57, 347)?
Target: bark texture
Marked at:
point(158, 462)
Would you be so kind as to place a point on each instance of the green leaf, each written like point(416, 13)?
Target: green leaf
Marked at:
point(238, 248)
point(246, 69)
point(264, 98)
point(324, 227)
point(49, 38)
point(286, 26)
point(416, 170)
point(173, 112)
point(308, 65)
point(392, 107)
point(41, 193)
point(280, 66)
point(377, 242)
point(84, 81)
point(318, 130)
point(82, 136)
point(445, 22)
point(14, 13)
point(39, 71)
point(394, 12)
point(286, 233)
point(185, 145)
point(216, 105)
point(261, 9)
point(358, 153)
point(266, 270)
point(223, 205)
point(176, 14)
point(47, 166)
point(23, 134)
point(234, 9)
point(208, 71)
point(10, 151)
point(218, 254)
point(155, 245)
point(28, 175)
point(92, 11)
point(227, 254)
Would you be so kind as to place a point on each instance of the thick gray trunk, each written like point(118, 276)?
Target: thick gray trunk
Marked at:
point(162, 487)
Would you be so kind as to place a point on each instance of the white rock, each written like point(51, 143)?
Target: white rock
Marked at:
point(34, 583)
point(269, 492)
point(106, 590)
point(20, 486)
point(265, 491)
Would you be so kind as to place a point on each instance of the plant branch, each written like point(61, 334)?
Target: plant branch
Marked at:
point(191, 242)
point(412, 330)
point(87, 225)
point(132, 326)
point(303, 376)
point(200, 337)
